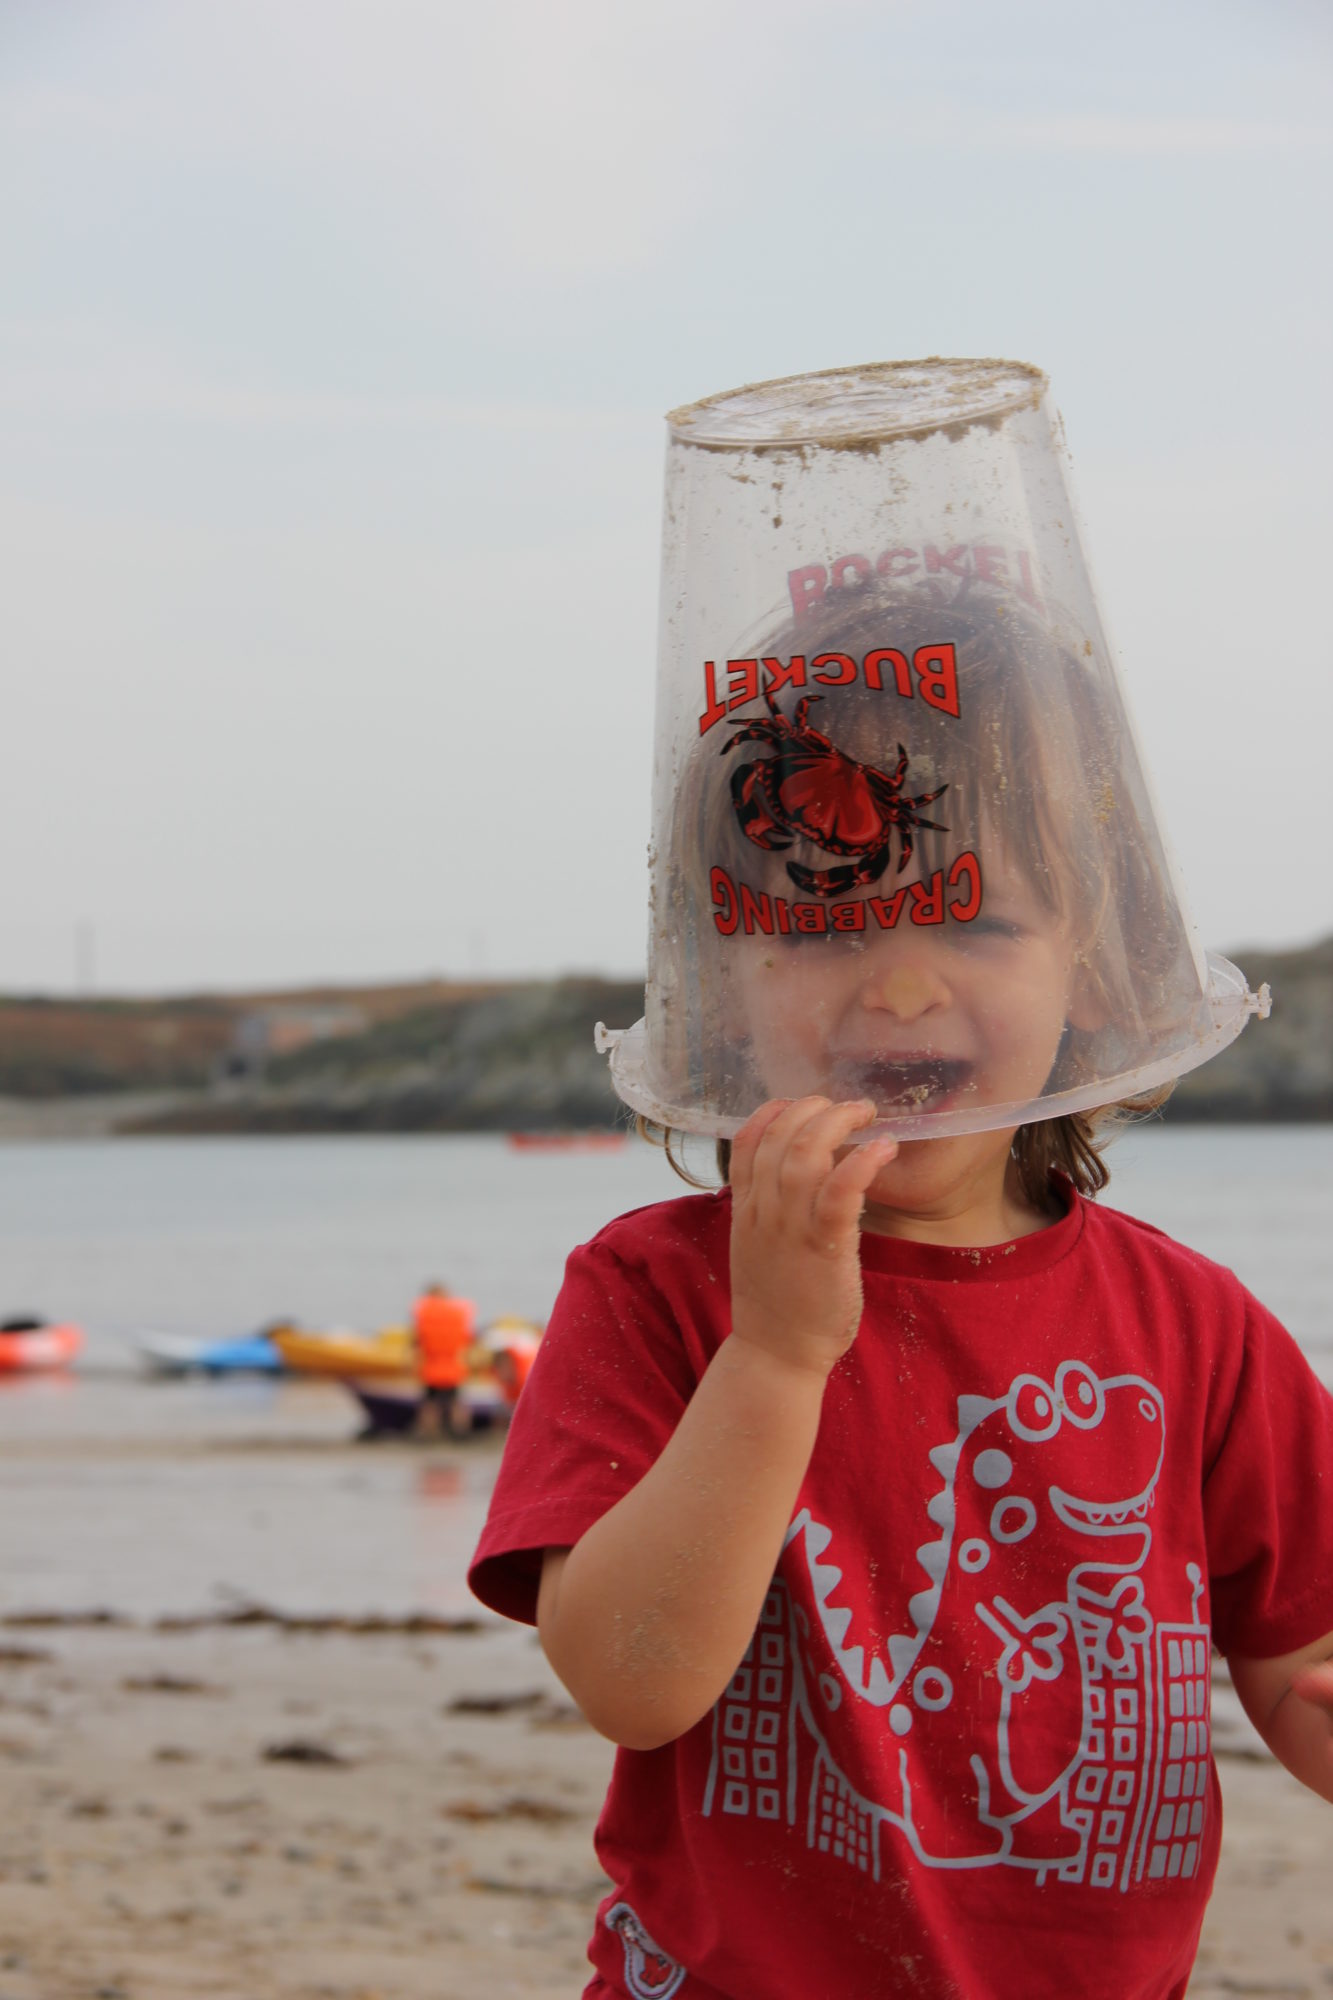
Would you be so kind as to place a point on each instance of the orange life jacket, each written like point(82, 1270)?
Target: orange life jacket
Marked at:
point(522, 1353)
point(443, 1328)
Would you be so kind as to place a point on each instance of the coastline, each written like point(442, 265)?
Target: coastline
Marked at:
point(99, 1115)
point(508, 1055)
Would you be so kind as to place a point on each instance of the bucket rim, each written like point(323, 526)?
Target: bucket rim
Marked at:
point(1227, 998)
point(986, 391)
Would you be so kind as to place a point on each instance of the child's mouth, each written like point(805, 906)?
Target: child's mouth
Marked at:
point(906, 1083)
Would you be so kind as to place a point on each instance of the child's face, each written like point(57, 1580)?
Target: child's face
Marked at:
point(920, 1018)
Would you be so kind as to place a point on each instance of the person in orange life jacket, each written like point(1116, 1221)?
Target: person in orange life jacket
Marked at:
point(443, 1328)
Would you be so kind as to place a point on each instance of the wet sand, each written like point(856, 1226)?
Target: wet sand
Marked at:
point(255, 1812)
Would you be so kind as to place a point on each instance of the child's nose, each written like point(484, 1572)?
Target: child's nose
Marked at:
point(907, 989)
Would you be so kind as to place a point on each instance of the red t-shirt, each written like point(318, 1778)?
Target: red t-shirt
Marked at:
point(967, 1752)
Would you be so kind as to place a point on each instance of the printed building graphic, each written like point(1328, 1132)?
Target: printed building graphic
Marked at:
point(1140, 1792)
point(753, 1716)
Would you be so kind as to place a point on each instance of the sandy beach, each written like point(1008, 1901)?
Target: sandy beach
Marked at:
point(255, 1806)
point(256, 1812)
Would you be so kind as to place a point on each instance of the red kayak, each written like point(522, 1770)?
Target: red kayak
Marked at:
point(31, 1344)
point(567, 1142)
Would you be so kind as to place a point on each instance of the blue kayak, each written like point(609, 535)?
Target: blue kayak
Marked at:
point(254, 1354)
point(170, 1354)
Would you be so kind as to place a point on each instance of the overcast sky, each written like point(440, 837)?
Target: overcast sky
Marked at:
point(335, 337)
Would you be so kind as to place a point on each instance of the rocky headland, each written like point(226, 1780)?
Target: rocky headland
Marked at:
point(482, 1057)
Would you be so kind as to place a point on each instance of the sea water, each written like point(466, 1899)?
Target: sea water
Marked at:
point(148, 1496)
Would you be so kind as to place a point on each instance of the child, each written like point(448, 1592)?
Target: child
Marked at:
point(884, 1505)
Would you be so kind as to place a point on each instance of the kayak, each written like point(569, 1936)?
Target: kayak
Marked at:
point(172, 1354)
point(391, 1351)
point(567, 1142)
point(509, 1327)
point(29, 1344)
point(391, 1411)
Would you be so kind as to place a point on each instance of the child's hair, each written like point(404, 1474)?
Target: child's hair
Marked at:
point(1034, 761)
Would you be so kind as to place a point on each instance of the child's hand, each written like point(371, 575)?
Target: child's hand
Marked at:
point(1299, 1731)
point(795, 1228)
point(1315, 1684)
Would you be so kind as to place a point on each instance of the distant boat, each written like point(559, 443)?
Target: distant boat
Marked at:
point(391, 1351)
point(388, 1412)
point(568, 1142)
point(27, 1345)
point(175, 1354)
point(392, 1412)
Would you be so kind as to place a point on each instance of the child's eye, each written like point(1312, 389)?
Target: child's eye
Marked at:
point(984, 928)
point(805, 940)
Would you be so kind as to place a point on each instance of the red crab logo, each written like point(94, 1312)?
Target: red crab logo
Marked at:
point(811, 790)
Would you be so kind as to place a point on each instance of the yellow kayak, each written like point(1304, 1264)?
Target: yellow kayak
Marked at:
point(391, 1351)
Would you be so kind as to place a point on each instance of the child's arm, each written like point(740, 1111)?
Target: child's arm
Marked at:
point(1290, 1702)
point(647, 1618)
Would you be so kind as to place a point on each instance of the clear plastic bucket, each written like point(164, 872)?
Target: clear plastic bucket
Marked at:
point(904, 846)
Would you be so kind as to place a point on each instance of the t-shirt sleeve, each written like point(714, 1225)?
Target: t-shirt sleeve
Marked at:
point(606, 1391)
point(1268, 1501)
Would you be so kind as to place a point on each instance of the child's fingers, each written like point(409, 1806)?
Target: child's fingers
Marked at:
point(784, 1131)
point(1315, 1684)
point(811, 1147)
point(767, 1199)
point(839, 1202)
point(746, 1142)
point(812, 1151)
point(788, 1152)
point(766, 1193)
point(859, 1164)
